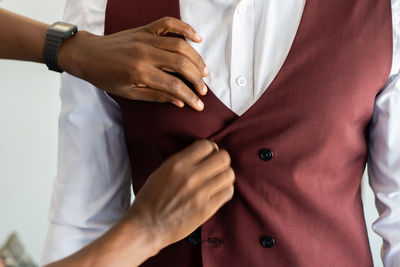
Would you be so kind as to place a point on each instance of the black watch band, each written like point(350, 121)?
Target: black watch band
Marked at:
point(51, 48)
point(56, 33)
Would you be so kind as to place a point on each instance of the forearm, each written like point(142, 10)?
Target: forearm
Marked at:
point(128, 243)
point(24, 39)
point(21, 38)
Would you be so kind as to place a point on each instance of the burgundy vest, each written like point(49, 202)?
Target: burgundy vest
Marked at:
point(298, 153)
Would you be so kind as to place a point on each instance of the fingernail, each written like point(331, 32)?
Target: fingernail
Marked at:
point(206, 71)
point(179, 104)
point(198, 37)
point(204, 90)
point(215, 146)
point(200, 104)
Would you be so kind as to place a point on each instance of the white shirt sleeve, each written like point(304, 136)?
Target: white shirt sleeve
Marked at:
point(92, 188)
point(384, 155)
point(384, 169)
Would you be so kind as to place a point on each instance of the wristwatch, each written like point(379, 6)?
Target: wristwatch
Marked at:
point(56, 33)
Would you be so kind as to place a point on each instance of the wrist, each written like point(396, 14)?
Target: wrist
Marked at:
point(71, 55)
point(147, 237)
point(128, 243)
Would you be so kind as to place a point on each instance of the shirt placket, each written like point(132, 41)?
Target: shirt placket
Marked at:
point(241, 72)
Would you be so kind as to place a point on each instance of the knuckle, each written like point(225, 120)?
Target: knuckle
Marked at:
point(199, 61)
point(231, 175)
point(140, 36)
point(191, 176)
point(167, 21)
point(200, 78)
point(231, 191)
point(199, 82)
point(140, 52)
point(193, 98)
point(180, 44)
point(176, 166)
point(138, 67)
point(137, 72)
point(182, 62)
point(199, 200)
point(139, 48)
point(224, 157)
point(170, 162)
point(191, 181)
point(186, 28)
point(175, 84)
point(160, 98)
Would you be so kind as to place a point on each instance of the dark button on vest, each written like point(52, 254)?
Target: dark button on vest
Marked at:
point(266, 154)
point(267, 241)
point(195, 239)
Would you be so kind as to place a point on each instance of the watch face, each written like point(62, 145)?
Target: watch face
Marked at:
point(62, 27)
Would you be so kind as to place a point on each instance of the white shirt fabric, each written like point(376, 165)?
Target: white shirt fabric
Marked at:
point(245, 43)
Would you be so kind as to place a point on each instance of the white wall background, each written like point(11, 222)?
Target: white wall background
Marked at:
point(29, 106)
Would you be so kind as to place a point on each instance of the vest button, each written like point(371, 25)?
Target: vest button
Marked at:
point(267, 242)
point(266, 154)
point(194, 239)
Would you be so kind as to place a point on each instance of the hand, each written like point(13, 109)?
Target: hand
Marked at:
point(184, 192)
point(135, 63)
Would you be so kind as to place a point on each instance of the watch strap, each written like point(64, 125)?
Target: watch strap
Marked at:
point(51, 49)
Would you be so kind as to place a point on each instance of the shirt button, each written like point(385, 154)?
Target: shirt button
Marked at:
point(242, 9)
point(267, 242)
point(266, 154)
point(241, 81)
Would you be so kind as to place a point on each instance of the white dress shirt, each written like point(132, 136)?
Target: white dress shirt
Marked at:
point(245, 43)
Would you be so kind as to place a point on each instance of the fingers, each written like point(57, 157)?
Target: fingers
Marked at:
point(180, 64)
point(181, 47)
point(162, 81)
point(197, 151)
point(215, 164)
point(220, 182)
point(173, 25)
point(153, 95)
point(219, 199)
point(175, 55)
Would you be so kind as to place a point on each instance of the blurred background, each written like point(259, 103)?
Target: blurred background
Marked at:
point(29, 107)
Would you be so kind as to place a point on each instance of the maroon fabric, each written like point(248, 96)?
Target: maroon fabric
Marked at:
point(313, 117)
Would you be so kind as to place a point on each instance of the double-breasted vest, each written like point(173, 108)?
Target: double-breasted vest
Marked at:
point(298, 153)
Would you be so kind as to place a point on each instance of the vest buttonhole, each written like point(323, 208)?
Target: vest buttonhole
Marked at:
point(214, 241)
